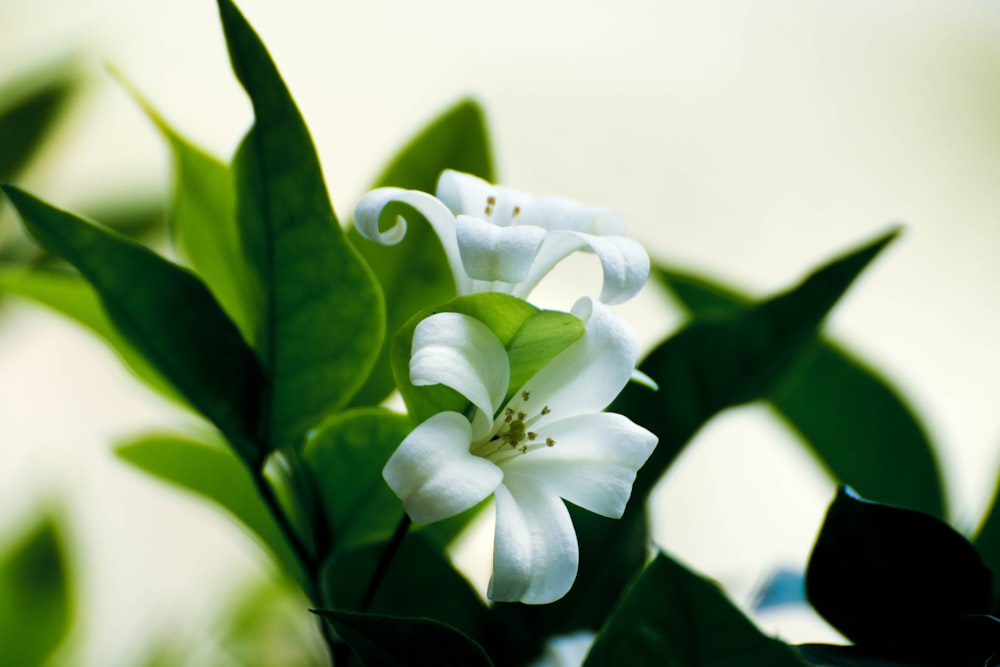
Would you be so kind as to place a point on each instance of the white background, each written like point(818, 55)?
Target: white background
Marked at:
point(748, 140)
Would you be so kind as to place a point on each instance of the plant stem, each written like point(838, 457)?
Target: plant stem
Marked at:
point(383, 563)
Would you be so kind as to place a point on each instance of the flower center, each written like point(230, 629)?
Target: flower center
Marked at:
point(512, 436)
point(500, 212)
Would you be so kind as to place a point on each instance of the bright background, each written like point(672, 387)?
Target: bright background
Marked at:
point(748, 140)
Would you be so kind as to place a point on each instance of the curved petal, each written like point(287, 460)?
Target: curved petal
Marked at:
point(592, 463)
point(490, 252)
point(535, 554)
point(586, 376)
point(433, 472)
point(554, 213)
point(466, 194)
point(624, 262)
point(389, 207)
point(461, 352)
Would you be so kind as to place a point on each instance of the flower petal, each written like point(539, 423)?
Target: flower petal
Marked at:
point(461, 352)
point(490, 252)
point(433, 472)
point(535, 555)
point(390, 207)
point(589, 374)
point(592, 463)
point(624, 262)
point(554, 213)
point(466, 194)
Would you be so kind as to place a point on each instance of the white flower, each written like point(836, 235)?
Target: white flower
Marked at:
point(549, 442)
point(502, 240)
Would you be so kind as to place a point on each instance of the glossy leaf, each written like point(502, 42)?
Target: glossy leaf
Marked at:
point(345, 457)
point(531, 336)
point(671, 616)
point(850, 418)
point(414, 273)
point(202, 218)
point(321, 320)
point(164, 312)
point(392, 641)
point(71, 296)
point(899, 582)
point(213, 473)
point(35, 608)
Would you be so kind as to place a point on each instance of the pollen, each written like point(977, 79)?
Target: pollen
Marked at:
point(546, 410)
point(525, 395)
point(517, 211)
point(549, 442)
point(491, 202)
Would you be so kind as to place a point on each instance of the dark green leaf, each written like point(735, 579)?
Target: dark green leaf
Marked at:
point(675, 618)
point(393, 641)
point(165, 312)
point(202, 218)
point(322, 319)
point(828, 655)
point(211, 472)
point(987, 543)
point(28, 112)
point(346, 456)
point(531, 336)
point(34, 597)
point(413, 273)
point(896, 581)
point(420, 581)
point(849, 417)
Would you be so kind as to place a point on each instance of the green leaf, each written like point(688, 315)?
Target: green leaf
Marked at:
point(900, 582)
point(414, 273)
point(34, 596)
point(987, 544)
point(850, 418)
point(28, 113)
point(346, 456)
point(212, 472)
point(202, 217)
point(71, 296)
point(165, 312)
point(393, 641)
point(829, 655)
point(532, 338)
point(673, 617)
point(322, 319)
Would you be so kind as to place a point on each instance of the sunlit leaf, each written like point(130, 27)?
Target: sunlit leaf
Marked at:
point(671, 616)
point(850, 418)
point(163, 311)
point(321, 319)
point(413, 273)
point(211, 472)
point(393, 641)
point(35, 608)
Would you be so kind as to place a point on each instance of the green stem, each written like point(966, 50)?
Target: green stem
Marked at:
point(309, 564)
point(383, 563)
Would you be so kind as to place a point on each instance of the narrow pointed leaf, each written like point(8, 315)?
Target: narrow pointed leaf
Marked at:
point(849, 417)
point(35, 611)
point(27, 116)
point(213, 473)
point(164, 312)
point(671, 616)
point(413, 273)
point(394, 641)
point(321, 320)
point(900, 582)
point(202, 218)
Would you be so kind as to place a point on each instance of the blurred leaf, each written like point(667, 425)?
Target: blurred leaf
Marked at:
point(391, 641)
point(28, 112)
point(414, 273)
point(987, 544)
point(202, 218)
point(346, 455)
point(214, 473)
point(163, 311)
point(532, 338)
point(34, 596)
point(850, 418)
point(71, 296)
point(321, 319)
point(671, 616)
point(829, 655)
point(901, 583)
point(420, 581)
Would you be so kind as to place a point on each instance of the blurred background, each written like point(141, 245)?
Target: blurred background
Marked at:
point(748, 141)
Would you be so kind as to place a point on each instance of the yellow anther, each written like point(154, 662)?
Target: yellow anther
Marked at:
point(545, 410)
point(532, 435)
point(549, 442)
point(525, 395)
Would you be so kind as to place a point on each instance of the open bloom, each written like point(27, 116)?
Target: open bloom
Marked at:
point(549, 441)
point(501, 240)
